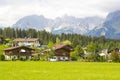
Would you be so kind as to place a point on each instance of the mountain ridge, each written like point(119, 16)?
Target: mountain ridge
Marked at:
point(110, 27)
point(90, 26)
point(68, 24)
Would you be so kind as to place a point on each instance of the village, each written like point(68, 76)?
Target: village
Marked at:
point(31, 49)
point(59, 39)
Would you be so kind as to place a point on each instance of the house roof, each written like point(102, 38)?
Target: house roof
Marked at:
point(25, 39)
point(116, 50)
point(16, 47)
point(59, 46)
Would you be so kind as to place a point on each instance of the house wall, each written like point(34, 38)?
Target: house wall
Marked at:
point(16, 57)
point(59, 58)
point(62, 55)
point(29, 43)
point(7, 57)
point(16, 53)
point(62, 52)
point(63, 58)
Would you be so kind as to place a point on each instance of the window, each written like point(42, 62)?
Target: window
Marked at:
point(22, 50)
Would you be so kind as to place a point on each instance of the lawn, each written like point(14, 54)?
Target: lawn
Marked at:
point(30, 70)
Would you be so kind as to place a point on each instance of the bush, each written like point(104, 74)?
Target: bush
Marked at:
point(2, 57)
point(35, 58)
point(114, 56)
point(74, 58)
point(22, 59)
point(93, 57)
point(13, 59)
point(89, 57)
point(102, 59)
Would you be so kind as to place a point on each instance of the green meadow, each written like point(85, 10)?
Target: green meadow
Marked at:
point(30, 70)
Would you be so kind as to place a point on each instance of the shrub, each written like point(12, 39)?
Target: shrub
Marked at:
point(114, 56)
point(102, 59)
point(35, 58)
point(73, 56)
point(13, 59)
point(22, 59)
point(2, 57)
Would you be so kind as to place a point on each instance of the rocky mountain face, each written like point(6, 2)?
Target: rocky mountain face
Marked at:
point(91, 26)
point(70, 24)
point(33, 21)
point(110, 28)
point(65, 24)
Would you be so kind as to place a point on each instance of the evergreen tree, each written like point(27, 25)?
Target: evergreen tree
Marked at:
point(77, 53)
point(67, 42)
point(93, 48)
point(58, 41)
point(50, 44)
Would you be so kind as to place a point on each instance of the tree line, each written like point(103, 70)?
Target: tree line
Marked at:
point(78, 41)
point(46, 37)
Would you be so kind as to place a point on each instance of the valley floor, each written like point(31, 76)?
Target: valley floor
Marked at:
point(30, 70)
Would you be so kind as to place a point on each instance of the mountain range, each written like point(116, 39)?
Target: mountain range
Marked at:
point(90, 26)
point(66, 24)
point(110, 28)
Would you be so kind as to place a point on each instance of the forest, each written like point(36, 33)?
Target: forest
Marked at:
point(46, 37)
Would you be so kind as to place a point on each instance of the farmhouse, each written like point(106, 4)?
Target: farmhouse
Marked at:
point(18, 52)
point(105, 53)
point(62, 52)
point(27, 41)
point(116, 50)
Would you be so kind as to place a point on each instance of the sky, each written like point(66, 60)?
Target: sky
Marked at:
point(12, 10)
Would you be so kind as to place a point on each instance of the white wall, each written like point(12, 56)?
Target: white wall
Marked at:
point(63, 58)
point(15, 57)
point(29, 43)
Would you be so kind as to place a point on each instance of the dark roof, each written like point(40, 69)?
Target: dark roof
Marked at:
point(59, 46)
point(16, 47)
point(25, 39)
point(116, 50)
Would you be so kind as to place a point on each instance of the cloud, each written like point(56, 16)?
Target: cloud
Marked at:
point(18, 2)
point(108, 5)
point(13, 10)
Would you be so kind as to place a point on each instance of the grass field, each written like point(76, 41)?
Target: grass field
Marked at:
point(31, 70)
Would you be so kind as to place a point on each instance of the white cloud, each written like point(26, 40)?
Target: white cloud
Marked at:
point(13, 10)
point(109, 5)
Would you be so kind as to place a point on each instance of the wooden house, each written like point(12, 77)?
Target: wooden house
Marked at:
point(27, 41)
point(17, 52)
point(117, 50)
point(107, 53)
point(62, 52)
